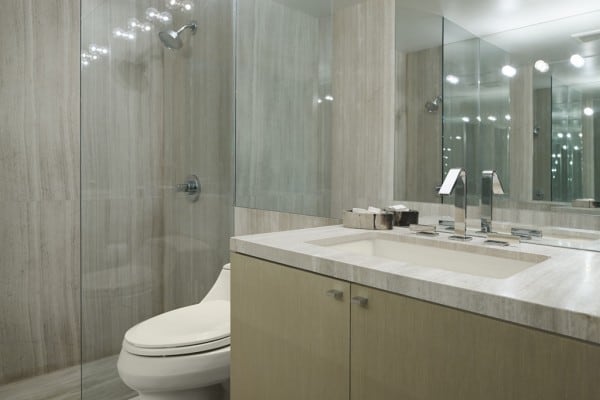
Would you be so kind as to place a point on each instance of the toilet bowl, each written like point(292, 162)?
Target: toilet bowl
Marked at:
point(182, 354)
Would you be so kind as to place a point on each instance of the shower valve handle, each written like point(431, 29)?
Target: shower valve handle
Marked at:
point(191, 187)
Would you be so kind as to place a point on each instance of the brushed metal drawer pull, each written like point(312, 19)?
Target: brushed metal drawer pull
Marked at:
point(361, 301)
point(336, 294)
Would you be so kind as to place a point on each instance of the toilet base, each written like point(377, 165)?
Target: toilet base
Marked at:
point(215, 392)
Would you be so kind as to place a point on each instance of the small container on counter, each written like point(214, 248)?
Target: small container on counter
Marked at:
point(368, 220)
point(404, 217)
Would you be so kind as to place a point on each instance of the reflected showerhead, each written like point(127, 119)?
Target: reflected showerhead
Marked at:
point(433, 105)
point(172, 39)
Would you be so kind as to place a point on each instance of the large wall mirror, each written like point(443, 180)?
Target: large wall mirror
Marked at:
point(526, 103)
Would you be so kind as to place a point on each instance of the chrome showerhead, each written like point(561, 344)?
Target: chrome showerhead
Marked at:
point(172, 39)
point(433, 105)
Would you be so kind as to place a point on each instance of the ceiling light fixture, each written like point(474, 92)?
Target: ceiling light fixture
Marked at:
point(541, 66)
point(577, 61)
point(509, 71)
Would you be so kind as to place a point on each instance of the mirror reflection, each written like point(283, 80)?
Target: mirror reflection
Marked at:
point(526, 100)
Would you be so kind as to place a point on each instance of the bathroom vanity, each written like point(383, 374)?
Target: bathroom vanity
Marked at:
point(337, 313)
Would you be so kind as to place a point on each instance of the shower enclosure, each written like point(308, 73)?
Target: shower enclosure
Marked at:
point(100, 123)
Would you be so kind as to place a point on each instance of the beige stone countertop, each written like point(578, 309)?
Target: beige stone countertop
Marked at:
point(559, 295)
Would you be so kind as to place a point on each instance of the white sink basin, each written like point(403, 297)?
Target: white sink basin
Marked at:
point(439, 254)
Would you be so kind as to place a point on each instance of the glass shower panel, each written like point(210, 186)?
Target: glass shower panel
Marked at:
point(151, 116)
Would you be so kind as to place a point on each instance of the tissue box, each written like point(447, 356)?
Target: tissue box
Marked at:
point(405, 218)
point(379, 221)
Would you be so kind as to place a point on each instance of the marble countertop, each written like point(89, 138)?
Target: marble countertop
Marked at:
point(559, 295)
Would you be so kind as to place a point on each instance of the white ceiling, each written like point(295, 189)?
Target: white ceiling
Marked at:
point(484, 17)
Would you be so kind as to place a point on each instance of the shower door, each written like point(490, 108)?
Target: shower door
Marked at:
point(151, 116)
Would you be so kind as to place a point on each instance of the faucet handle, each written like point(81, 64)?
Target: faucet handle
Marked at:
point(450, 181)
point(496, 184)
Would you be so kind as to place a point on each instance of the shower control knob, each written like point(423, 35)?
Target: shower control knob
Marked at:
point(191, 187)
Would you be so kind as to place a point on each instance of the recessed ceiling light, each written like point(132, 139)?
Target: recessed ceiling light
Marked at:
point(509, 71)
point(577, 61)
point(541, 66)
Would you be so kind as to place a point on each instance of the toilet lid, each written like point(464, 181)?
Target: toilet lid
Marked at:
point(202, 326)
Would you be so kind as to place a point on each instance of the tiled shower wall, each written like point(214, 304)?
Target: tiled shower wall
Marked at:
point(39, 187)
point(149, 117)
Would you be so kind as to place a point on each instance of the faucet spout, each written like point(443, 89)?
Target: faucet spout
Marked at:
point(456, 180)
point(490, 185)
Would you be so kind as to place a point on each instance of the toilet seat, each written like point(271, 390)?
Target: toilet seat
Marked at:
point(194, 329)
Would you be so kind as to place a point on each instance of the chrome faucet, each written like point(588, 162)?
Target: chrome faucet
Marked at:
point(490, 185)
point(456, 180)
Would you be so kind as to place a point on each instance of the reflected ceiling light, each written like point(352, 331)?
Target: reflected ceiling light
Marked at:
point(492, 118)
point(466, 119)
point(182, 5)
point(507, 117)
point(564, 147)
point(453, 79)
point(560, 135)
point(329, 97)
point(568, 136)
point(541, 66)
point(576, 148)
point(577, 61)
point(509, 71)
point(458, 137)
point(478, 118)
point(588, 111)
point(580, 134)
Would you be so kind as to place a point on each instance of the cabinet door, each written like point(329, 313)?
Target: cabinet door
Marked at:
point(289, 334)
point(404, 348)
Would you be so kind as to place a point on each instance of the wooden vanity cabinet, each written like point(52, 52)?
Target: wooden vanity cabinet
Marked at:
point(292, 341)
point(289, 333)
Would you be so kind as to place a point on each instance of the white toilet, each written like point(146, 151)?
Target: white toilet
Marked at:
point(182, 354)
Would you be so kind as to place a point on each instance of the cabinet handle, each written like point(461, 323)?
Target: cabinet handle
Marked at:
point(336, 294)
point(361, 301)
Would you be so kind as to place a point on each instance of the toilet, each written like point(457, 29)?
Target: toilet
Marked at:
point(182, 354)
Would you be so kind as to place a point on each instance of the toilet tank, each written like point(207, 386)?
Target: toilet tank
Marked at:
point(220, 290)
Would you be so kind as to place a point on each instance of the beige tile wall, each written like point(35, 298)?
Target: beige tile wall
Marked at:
point(364, 107)
point(39, 195)
point(282, 131)
point(122, 179)
point(198, 110)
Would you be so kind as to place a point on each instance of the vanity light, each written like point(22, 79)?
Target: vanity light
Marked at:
point(507, 117)
point(453, 79)
point(541, 66)
point(466, 119)
point(577, 61)
point(509, 71)
point(588, 111)
point(492, 118)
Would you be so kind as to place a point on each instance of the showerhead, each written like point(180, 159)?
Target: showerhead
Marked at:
point(433, 105)
point(172, 39)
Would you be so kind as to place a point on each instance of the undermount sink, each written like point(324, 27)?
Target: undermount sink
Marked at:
point(439, 254)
